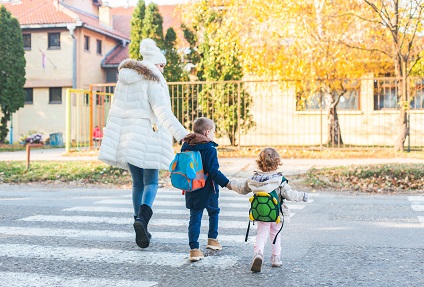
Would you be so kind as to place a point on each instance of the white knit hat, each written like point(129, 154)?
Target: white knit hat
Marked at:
point(151, 52)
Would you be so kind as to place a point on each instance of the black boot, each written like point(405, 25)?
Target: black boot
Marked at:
point(142, 236)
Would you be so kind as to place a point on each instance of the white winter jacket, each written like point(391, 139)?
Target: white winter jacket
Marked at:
point(140, 122)
point(267, 182)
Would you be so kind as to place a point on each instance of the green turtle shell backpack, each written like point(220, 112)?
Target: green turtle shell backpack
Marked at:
point(265, 207)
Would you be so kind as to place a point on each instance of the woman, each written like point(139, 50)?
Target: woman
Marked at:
point(139, 128)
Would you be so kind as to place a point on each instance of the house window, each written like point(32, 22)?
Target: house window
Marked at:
point(86, 43)
point(386, 94)
point(349, 101)
point(55, 95)
point(54, 40)
point(27, 41)
point(111, 75)
point(418, 101)
point(99, 47)
point(29, 96)
point(314, 101)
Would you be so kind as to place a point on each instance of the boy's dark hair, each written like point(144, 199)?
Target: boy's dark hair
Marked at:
point(202, 124)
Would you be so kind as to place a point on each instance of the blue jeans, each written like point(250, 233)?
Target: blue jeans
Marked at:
point(144, 186)
point(196, 221)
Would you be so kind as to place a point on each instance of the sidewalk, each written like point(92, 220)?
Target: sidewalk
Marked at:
point(232, 167)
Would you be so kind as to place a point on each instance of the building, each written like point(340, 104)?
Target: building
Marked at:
point(68, 44)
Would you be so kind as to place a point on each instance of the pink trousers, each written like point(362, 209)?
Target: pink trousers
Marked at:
point(265, 230)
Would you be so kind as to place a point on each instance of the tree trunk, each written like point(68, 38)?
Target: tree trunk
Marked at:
point(334, 133)
point(404, 106)
point(403, 130)
point(3, 128)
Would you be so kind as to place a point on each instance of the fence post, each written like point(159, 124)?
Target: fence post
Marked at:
point(28, 151)
point(238, 115)
point(320, 121)
point(68, 120)
point(91, 121)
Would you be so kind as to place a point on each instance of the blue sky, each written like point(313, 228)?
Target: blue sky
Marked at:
point(115, 3)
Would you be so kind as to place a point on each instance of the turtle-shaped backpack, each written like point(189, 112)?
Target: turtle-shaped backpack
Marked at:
point(265, 207)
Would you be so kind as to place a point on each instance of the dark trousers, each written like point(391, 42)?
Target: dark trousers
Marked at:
point(196, 222)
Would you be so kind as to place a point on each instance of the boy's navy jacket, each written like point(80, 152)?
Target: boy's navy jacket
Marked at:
point(199, 199)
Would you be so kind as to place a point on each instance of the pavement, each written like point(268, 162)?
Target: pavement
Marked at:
point(231, 167)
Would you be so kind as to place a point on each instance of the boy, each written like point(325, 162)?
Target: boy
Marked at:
point(207, 197)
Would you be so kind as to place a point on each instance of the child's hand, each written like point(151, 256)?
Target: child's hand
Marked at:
point(305, 197)
point(229, 185)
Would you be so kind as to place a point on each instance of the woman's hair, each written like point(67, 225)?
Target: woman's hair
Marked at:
point(202, 124)
point(268, 160)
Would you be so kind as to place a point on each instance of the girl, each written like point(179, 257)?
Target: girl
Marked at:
point(268, 179)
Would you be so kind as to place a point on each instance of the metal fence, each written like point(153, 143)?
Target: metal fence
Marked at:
point(266, 113)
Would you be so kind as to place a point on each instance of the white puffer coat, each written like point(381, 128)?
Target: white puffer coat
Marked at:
point(140, 122)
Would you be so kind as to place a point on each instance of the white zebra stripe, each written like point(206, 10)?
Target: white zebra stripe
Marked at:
point(222, 193)
point(223, 213)
point(416, 198)
point(240, 199)
point(421, 219)
point(417, 207)
point(110, 209)
point(113, 256)
point(125, 221)
point(110, 235)
point(179, 197)
point(16, 279)
point(245, 205)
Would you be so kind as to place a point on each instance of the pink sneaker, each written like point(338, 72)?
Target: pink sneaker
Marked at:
point(275, 260)
point(258, 258)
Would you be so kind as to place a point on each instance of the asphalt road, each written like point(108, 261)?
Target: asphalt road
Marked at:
point(84, 237)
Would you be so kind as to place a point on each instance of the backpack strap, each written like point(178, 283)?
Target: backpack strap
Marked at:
point(282, 222)
point(247, 232)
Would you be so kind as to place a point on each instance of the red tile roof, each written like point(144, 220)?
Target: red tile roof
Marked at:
point(31, 12)
point(122, 19)
point(92, 21)
point(48, 12)
point(116, 56)
point(45, 12)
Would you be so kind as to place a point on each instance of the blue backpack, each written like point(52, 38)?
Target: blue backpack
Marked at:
point(187, 171)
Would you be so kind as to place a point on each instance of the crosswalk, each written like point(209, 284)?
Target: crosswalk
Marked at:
point(108, 222)
point(417, 204)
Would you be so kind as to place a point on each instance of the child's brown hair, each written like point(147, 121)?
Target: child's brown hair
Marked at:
point(202, 124)
point(268, 159)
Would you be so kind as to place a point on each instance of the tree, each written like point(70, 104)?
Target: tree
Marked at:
point(219, 61)
point(302, 41)
point(398, 24)
point(152, 25)
point(136, 29)
point(174, 70)
point(12, 69)
point(192, 56)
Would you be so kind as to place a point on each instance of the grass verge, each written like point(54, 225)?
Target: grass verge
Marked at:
point(382, 178)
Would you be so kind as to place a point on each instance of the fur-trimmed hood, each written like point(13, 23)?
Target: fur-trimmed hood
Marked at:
point(131, 71)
